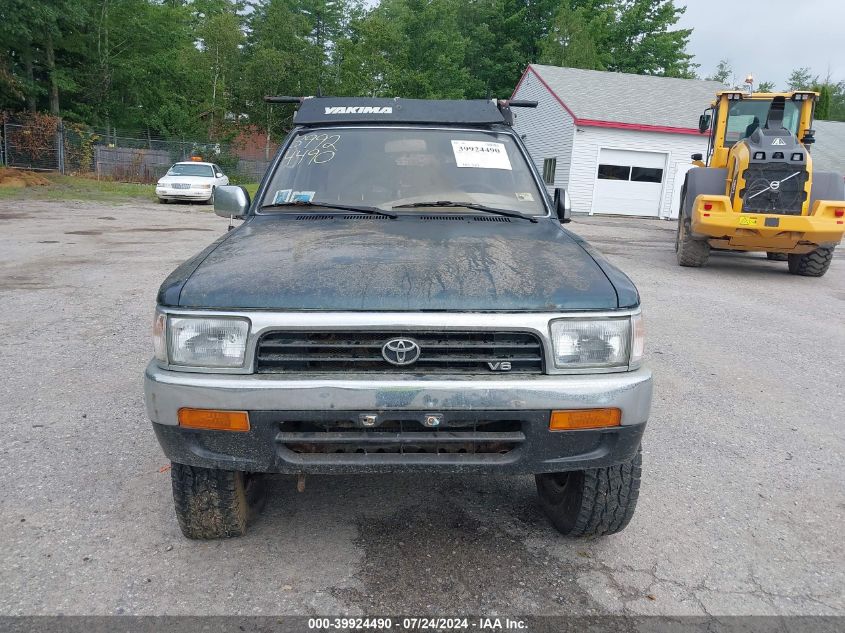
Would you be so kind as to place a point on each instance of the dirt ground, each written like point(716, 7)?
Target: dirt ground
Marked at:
point(742, 502)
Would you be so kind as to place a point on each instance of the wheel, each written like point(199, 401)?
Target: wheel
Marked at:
point(812, 264)
point(593, 502)
point(163, 200)
point(212, 503)
point(776, 257)
point(690, 252)
point(211, 197)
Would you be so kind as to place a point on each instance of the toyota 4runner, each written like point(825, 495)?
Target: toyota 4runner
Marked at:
point(401, 296)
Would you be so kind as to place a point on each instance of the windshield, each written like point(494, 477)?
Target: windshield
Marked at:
point(388, 167)
point(191, 169)
point(747, 115)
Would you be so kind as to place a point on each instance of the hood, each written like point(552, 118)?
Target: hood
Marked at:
point(477, 263)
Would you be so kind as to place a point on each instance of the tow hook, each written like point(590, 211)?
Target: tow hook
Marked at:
point(300, 482)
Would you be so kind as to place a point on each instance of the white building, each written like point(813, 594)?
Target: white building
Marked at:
point(619, 143)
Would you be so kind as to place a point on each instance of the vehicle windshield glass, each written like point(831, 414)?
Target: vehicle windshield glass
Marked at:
point(387, 167)
point(747, 115)
point(191, 169)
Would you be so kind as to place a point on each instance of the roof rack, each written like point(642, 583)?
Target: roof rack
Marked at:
point(345, 110)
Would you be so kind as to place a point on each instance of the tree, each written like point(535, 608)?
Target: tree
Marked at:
point(724, 72)
point(642, 41)
point(221, 39)
point(823, 103)
point(831, 102)
point(630, 36)
point(199, 68)
point(837, 101)
point(766, 86)
point(801, 79)
point(34, 36)
point(412, 48)
point(576, 36)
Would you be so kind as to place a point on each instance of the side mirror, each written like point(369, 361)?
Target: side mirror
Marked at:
point(704, 123)
point(563, 207)
point(697, 156)
point(231, 202)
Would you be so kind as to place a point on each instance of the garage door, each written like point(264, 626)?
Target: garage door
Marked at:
point(629, 182)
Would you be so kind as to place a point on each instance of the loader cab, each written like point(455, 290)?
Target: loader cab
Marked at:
point(735, 115)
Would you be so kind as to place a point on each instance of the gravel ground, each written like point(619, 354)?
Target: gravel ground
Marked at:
point(742, 501)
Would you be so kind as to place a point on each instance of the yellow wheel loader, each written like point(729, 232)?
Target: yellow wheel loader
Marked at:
point(757, 190)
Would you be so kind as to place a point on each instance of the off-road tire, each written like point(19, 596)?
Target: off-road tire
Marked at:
point(591, 503)
point(776, 257)
point(812, 264)
point(690, 252)
point(212, 503)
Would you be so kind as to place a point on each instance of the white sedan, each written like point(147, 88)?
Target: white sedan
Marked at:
point(190, 181)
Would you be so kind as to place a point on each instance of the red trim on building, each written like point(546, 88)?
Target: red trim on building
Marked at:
point(521, 79)
point(641, 127)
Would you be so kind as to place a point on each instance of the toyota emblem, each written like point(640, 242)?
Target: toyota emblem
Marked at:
point(400, 351)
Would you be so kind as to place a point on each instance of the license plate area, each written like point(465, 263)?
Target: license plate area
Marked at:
point(401, 433)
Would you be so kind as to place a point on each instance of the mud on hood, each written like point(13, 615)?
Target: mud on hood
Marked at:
point(479, 263)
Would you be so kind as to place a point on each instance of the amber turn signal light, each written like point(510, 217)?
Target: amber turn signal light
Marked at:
point(584, 419)
point(214, 420)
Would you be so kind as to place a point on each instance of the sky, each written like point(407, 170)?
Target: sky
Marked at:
point(767, 38)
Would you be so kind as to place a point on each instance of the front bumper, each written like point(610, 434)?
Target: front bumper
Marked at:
point(183, 194)
point(769, 232)
point(278, 403)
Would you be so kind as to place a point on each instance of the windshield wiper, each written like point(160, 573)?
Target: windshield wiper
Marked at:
point(331, 205)
point(467, 205)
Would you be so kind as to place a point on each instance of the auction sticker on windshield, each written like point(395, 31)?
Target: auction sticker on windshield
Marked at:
point(481, 155)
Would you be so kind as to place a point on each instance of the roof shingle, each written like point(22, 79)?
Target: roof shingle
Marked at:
point(829, 149)
point(596, 95)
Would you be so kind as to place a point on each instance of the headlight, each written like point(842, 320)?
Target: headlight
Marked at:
point(207, 342)
point(583, 343)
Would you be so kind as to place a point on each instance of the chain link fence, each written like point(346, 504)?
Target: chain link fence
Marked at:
point(103, 154)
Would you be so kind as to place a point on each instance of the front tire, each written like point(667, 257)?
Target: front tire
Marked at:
point(163, 200)
point(690, 252)
point(591, 503)
point(212, 503)
point(812, 264)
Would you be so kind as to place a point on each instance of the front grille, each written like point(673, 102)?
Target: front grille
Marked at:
point(787, 199)
point(401, 434)
point(440, 352)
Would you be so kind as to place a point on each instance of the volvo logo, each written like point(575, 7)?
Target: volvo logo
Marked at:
point(400, 351)
point(774, 185)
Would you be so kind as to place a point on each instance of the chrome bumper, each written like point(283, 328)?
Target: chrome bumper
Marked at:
point(184, 194)
point(168, 391)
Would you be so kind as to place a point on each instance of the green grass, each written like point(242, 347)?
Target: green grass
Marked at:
point(77, 188)
point(252, 188)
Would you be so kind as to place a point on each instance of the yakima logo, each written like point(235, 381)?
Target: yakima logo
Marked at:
point(359, 110)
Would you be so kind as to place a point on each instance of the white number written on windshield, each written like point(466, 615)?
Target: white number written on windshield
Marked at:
point(311, 149)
